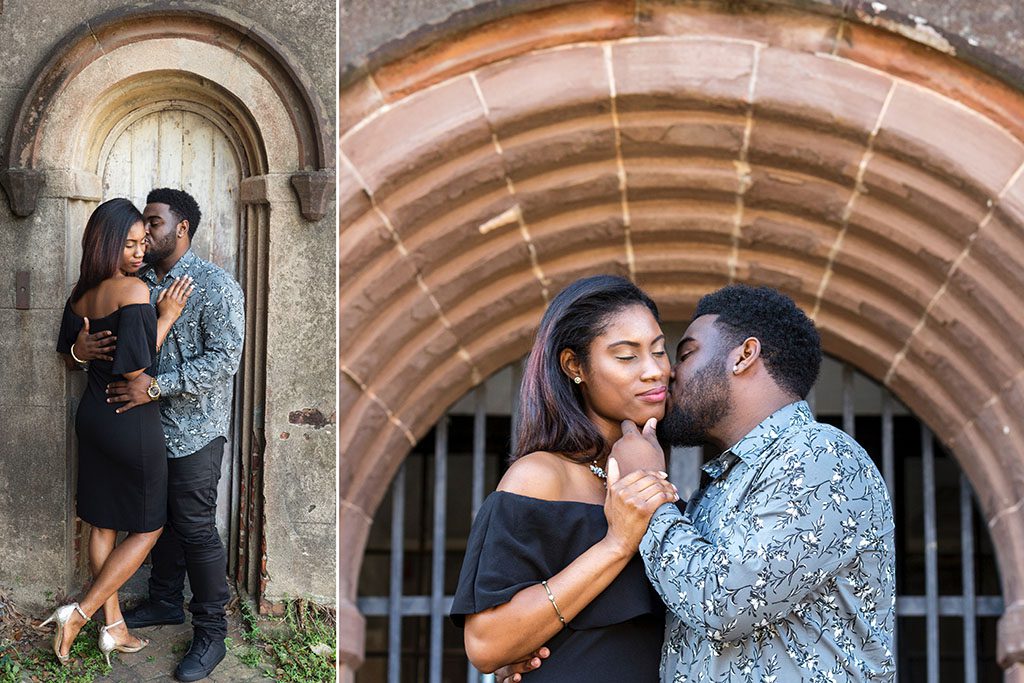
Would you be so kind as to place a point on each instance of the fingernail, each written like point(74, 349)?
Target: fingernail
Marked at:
point(663, 475)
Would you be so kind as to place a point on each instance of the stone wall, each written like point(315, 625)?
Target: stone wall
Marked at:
point(296, 307)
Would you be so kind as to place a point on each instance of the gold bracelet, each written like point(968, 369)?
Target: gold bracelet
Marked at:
point(77, 359)
point(553, 603)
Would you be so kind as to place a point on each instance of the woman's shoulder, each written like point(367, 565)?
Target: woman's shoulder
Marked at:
point(539, 474)
point(131, 290)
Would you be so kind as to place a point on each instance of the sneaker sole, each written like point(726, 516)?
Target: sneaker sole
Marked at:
point(133, 623)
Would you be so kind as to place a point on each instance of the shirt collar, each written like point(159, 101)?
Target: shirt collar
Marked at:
point(750, 447)
point(180, 268)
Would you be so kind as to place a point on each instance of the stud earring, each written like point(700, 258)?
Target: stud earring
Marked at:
point(578, 380)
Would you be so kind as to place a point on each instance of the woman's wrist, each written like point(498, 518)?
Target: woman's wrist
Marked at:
point(619, 547)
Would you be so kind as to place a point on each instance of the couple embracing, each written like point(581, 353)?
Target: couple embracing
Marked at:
point(584, 565)
point(159, 331)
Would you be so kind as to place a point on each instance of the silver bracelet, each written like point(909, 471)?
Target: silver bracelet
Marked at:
point(553, 603)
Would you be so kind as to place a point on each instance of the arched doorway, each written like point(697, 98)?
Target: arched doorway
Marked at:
point(195, 96)
point(947, 584)
point(876, 182)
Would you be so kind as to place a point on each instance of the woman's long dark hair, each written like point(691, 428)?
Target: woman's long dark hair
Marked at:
point(103, 243)
point(551, 409)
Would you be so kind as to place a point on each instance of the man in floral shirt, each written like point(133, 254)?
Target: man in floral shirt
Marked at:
point(781, 569)
point(782, 566)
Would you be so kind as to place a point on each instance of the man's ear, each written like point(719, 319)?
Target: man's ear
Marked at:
point(182, 228)
point(749, 352)
point(571, 365)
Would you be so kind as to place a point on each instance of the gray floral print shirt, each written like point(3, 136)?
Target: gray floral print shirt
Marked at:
point(200, 355)
point(781, 569)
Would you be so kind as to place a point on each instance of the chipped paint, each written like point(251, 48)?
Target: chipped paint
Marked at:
point(920, 32)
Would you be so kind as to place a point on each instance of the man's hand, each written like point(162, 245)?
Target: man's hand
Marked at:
point(638, 451)
point(99, 346)
point(631, 501)
point(130, 392)
point(512, 673)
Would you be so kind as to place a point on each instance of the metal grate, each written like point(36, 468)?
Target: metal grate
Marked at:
point(473, 439)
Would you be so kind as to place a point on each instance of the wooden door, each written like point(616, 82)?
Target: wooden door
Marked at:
point(186, 151)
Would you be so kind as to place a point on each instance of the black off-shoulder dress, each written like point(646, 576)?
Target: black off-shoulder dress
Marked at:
point(122, 460)
point(516, 542)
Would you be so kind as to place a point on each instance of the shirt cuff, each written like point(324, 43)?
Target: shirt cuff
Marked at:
point(666, 516)
point(171, 384)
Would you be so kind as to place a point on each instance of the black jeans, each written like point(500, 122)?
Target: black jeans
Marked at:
point(190, 543)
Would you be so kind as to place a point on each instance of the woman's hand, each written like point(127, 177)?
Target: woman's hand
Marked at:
point(630, 503)
point(171, 301)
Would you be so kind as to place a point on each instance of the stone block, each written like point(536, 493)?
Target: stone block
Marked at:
point(353, 202)
point(571, 146)
point(795, 146)
point(370, 333)
point(483, 306)
point(815, 91)
point(666, 219)
point(579, 229)
point(412, 368)
point(300, 518)
point(697, 180)
point(37, 376)
point(914, 61)
point(465, 280)
point(354, 529)
point(418, 133)
point(506, 38)
point(19, 240)
point(769, 25)
point(952, 141)
point(883, 242)
point(683, 74)
point(356, 102)
point(807, 196)
point(548, 193)
point(933, 393)
point(547, 87)
point(362, 245)
point(784, 233)
point(666, 132)
point(34, 484)
point(433, 247)
point(359, 426)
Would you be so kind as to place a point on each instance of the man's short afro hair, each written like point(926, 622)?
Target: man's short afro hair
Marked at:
point(790, 344)
point(182, 205)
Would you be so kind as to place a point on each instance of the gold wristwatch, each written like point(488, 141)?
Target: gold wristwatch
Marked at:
point(154, 389)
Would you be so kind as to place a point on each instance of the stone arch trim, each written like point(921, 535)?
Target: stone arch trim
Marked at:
point(885, 193)
point(230, 39)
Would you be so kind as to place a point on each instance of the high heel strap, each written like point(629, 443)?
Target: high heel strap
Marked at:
point(109, 626)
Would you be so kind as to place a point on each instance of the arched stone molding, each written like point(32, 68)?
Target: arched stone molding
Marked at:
point(207, 44)
point(879, 183)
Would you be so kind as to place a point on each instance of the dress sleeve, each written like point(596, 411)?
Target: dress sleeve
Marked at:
point(136, 339)
point(70, 325)
point(502, 558)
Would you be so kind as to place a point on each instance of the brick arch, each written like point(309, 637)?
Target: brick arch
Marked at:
point(877, 183)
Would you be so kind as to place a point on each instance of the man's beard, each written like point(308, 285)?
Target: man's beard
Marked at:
point(158, 252)
point(707, 403)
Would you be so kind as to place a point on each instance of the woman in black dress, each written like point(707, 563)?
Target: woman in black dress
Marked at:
point(550, 561)
point(122, 466)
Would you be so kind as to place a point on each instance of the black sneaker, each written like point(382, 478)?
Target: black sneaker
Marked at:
point(154, 613)
point(203, 656)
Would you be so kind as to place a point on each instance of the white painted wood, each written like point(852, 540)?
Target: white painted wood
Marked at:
point(184, 150)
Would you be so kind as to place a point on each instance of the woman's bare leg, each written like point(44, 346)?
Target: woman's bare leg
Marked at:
point(121, 562)
point(101, 544)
